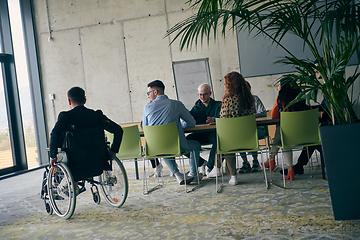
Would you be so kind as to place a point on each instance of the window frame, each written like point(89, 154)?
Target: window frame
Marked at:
point(12, 99)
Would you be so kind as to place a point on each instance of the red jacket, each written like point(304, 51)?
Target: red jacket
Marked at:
point(275, 110)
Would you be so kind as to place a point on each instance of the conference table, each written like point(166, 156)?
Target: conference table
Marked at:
point(264, 121)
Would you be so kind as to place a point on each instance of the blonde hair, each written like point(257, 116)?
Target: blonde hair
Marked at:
point(204, 86)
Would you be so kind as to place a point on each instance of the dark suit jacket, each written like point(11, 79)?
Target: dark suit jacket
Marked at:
point(83, 117)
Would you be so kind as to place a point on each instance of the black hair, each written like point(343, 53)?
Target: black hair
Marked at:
point(76, 95)
point(288, 93)
point(157, 84)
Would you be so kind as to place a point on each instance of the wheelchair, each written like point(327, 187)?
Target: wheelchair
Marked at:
point(59, 190)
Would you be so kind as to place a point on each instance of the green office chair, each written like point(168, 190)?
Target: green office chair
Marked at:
point(236, 135)
point(266, 146)
point(299, 129)
point(131, 148)
point(266, 138)
point(162, 141)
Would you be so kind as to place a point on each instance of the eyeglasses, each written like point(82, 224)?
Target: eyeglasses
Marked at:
point(148, 93)
point(204, 94)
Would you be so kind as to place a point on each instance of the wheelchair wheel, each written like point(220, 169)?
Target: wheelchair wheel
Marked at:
point(61, 191)
point(44, 193)
point(96, 198)
point(95, 194)
point(48, 208)
point(114, 183)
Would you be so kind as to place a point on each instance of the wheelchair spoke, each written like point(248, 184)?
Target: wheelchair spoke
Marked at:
point(61, 191)
point(114, 184)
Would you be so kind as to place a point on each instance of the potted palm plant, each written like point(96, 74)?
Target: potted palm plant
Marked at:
point(330, 29)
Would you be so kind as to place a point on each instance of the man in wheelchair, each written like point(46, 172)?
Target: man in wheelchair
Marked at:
point(80, 132)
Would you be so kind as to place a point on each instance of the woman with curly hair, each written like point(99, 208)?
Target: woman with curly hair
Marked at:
point(286, 93)
point(238, 101)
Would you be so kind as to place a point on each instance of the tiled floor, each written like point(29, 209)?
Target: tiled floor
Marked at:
point(245, 211)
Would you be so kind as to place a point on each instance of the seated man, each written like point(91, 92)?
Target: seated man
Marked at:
point(212, 109)
point(162, 110)
point(259, 111)
point(81, 118)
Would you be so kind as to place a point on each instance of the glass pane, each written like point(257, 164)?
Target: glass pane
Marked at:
point(23, 83)
point(6, 159)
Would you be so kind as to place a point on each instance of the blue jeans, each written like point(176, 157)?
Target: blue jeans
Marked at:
point(193, 145)
point(261, 133)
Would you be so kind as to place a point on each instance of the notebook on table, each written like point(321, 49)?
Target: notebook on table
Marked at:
point(200, 116)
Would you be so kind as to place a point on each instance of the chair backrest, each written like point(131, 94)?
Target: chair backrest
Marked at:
point(130, 147)
point(300, 128)
point(237, 134)
point(162, 141)
point(86, 150)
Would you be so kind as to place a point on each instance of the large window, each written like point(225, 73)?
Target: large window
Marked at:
point(6, 159)
point(22, 125)
point(23, 83)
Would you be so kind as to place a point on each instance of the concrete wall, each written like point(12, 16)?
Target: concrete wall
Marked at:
point(113, 48)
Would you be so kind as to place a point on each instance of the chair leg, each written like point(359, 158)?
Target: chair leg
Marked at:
point(161, 183)
point(216, 177)
point(183, 168)
point(146, 189)
point(237, 165)
point(145, 186)
point(282, 166)
point(196, 167)
point(265, 177)
point(268, 154)
point(218, 188)
point(309, 161)
point(197, 175)
point(197, 172)
point(267, 143)
point(222, 175)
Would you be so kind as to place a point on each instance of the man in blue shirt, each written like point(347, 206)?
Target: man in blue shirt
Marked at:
point(162, 110)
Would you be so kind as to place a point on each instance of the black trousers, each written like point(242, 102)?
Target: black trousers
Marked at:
point(303, 158)
point(154, 162)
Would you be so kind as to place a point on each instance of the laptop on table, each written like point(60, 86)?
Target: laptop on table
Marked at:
point(200, 116)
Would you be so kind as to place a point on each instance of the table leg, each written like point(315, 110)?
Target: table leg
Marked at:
point(136, 169)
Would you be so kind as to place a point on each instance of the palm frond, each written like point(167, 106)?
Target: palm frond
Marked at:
point(330, 29)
